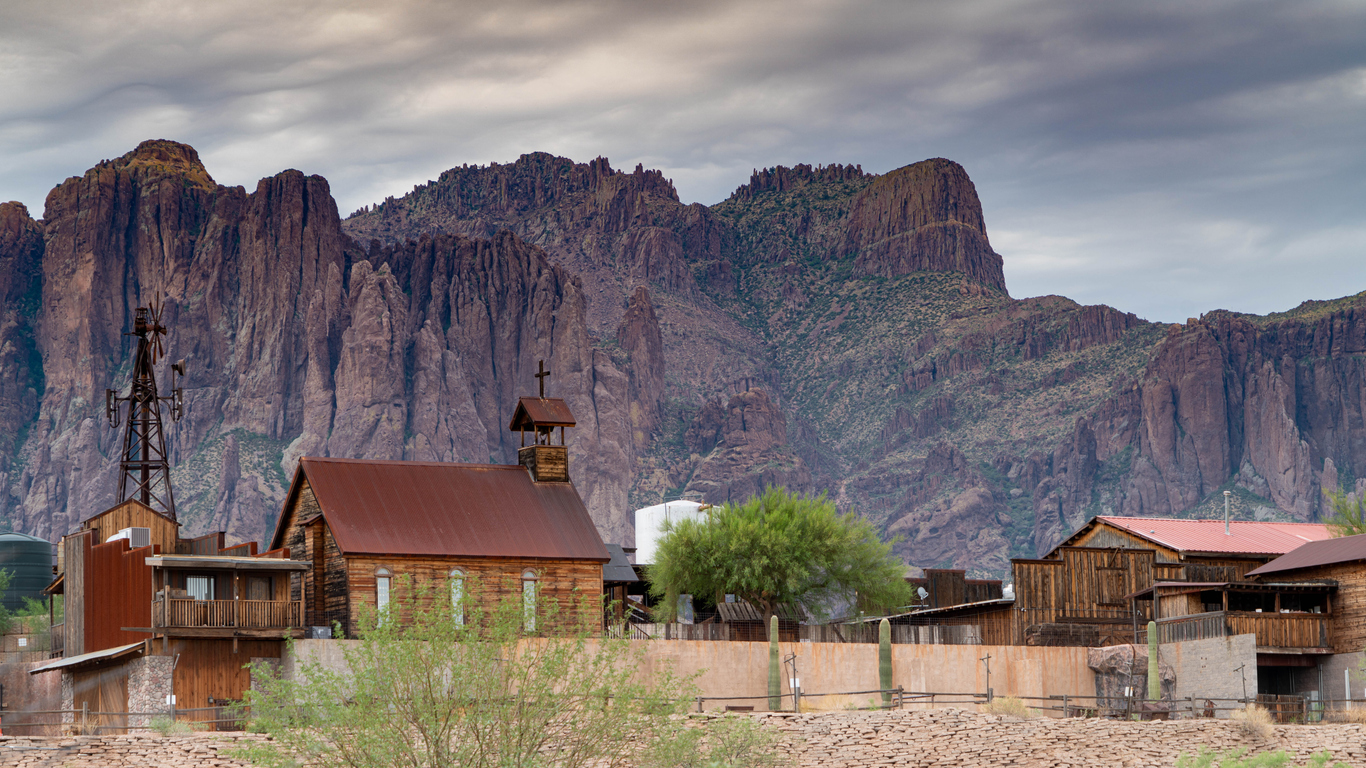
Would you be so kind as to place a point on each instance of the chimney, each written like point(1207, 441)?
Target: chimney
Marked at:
point(1227, 494)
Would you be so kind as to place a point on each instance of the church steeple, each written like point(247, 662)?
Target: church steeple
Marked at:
point(547, 461)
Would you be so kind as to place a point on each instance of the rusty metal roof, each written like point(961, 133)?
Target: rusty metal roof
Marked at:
point(430, 508)
point(1347, 549)
point(1246, 537)
point(540, 412)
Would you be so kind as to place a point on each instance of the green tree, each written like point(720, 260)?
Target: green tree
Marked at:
point(423, 688)
point(1347, 516)
point(776, 549)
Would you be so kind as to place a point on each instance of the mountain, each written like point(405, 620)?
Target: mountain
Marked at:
point(823, 328)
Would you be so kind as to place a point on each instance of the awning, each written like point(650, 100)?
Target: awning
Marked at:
point(94, 657)
point(218, 563)
point(58, 585)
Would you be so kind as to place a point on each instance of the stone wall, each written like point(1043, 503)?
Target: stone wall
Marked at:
point(957, 738)
point(1205, 669)
point(924, 739)
point(149, 683)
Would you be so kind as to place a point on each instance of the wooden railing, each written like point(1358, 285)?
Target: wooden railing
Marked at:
point(58, 641)
point(1273, 630)
point(239, 614)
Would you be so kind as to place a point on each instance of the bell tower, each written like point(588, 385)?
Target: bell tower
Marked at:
point(547, 460)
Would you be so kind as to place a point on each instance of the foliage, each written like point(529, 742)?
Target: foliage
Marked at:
point(4, 612)
point(720, 741)
point(1348, 514)
point(1008, 706)
point(1236, 759)
point(423, 688)
point(169, 726)
point(778, 549)
point(1254, 721)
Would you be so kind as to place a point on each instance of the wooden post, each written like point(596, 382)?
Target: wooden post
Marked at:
point(85, 717)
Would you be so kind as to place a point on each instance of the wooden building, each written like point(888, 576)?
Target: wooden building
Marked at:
point(1338, 567)
point(492, 532)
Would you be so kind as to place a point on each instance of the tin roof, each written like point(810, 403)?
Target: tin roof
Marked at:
point(540, 412)
point(1246, 537)
point(1347, 549)
point(431, 508)
point(619, 570)
point(94, 657)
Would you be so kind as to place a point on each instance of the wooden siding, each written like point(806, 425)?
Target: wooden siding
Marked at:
point(548, 463)
point(949, 587)
point(1081, 585)
point(1221, 569)
point(1171, 606)
point(74, 547)
point(118, 593)
point(132, 514)
point(214, 669)
point(322, 588)
point(1105, 536)
point(1272, 630)
point(1348, 614)
point(489, 580)
point(103, 689)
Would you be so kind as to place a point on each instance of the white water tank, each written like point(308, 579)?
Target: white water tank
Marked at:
point(650, 524)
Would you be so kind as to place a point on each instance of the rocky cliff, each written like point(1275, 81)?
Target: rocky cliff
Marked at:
point(822, 328)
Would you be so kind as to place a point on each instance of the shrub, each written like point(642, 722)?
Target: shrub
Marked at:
point(169, 726)
point(1008, 706)
point(1236, 759)
point(1254, 721)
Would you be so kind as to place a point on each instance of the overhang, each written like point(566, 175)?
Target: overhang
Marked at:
point(222, 563)
point(94, 657)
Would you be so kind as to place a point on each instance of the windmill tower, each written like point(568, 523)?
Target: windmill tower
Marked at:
point(144, 473)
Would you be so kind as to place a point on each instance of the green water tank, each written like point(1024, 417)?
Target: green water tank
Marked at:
point(29, 562)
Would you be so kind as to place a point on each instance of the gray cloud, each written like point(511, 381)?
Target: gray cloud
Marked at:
point(1163, 158)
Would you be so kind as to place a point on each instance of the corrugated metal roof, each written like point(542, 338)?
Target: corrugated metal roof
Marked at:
point(1346, 549)
point(429, 508)
point(540, 411)
point(1246, 537)
point(94, 657)
point(619, 570)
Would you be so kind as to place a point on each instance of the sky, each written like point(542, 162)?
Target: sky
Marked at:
point(1164, 158)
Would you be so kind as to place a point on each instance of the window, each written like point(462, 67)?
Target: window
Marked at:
point(458, 596)
point(199, 587)
point(383, 580)
point(529, 600)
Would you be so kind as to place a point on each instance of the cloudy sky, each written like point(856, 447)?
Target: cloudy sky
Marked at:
point(1164, 158)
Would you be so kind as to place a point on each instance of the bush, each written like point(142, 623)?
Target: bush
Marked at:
point(718, 741)
point(168, 726)
point(1007, 706)
point(1254, 721)
point(1235, 759)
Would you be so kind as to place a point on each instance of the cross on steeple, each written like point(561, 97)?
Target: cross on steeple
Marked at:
point(540, 377)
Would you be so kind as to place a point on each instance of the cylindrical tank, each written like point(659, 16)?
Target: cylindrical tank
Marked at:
point(29, 562)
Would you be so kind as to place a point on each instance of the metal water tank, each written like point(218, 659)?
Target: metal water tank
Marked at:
point(29, 562)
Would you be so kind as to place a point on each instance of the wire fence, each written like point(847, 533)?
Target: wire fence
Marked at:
point(235, 716)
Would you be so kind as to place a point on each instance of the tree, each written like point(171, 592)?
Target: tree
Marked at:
point(423, 688)
point(1348, 517)
point(776, 549)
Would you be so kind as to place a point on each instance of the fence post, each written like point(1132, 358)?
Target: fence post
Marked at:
point(900, 697)
point(1066, 708)
point(85, 717)
point(699, 703)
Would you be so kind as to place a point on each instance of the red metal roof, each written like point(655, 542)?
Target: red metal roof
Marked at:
point(540, 412)
point(1246, 537)
point(429, 508)
point(1346, 549)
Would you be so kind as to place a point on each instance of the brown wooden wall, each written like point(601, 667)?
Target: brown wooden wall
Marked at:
point(1220, 569)
point(132, 514)
point(950, 586)
point(105, 690)
point(489, 581)
point(118, 593)
point(1104, 536)
point(1081, 585)
point(322, 588)
point(1348, 605)
point(73, 550)
point(211, 669)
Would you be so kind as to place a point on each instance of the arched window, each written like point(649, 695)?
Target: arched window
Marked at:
point(529, 578)
point(458, 595)
point(384, 580)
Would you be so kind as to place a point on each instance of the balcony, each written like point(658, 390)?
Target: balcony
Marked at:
point(1273, 630)
point(227, 618)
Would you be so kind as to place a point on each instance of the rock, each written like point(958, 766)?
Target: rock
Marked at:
point(638, 335)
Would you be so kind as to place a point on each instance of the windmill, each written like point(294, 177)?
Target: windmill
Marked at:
point(144, 473)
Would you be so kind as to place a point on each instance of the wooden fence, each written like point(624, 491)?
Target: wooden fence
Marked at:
point(1273, 630)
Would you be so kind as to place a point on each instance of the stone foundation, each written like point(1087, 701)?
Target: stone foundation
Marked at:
point(149, 683)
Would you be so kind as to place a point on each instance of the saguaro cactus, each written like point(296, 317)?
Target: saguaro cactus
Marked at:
point(1154, 678)
point(884, 661)
point(775, 684)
